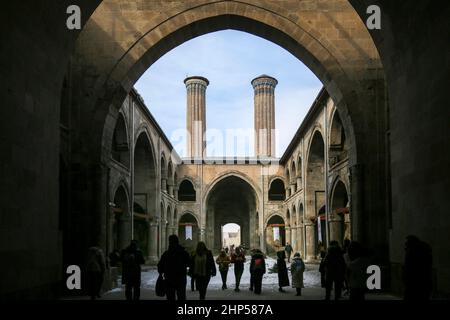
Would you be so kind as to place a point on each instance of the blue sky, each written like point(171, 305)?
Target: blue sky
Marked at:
point(230, 60)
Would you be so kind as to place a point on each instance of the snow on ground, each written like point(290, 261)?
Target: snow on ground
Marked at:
point(311, 276)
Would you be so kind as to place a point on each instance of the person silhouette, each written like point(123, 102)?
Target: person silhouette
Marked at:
point(173, 265)
point(202, 268)
point(417, 269)
point(334, 267)
point(132, 259)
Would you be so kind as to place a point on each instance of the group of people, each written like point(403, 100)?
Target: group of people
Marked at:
point(131, 259)
point(341, 268)
point(176, 263)
point(347, 269)
point(344, 268)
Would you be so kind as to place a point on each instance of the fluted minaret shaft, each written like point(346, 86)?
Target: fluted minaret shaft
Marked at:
point(264, 88)
point(196, 116)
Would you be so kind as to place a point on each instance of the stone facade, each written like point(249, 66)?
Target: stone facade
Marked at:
point(233, 190)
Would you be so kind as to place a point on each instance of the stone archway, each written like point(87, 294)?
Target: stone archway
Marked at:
point(145, 202)
point(120, 234)
point(188, 231)
point(231, 200)
point(275, 234)
point(340, 213)
point(315, 192)
point(134, 37)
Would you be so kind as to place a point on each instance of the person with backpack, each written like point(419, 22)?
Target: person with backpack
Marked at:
point(238, 258)
point(297, 269)
point(132, 258)
point(224, 263)
point(283, 278)
point(202, 268)
point(173, 265)
point(257, 270)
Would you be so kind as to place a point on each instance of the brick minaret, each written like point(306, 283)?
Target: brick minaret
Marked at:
point(264, 87)
point(196, 116)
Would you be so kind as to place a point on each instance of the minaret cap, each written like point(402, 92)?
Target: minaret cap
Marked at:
point(197, 78)
point(265, 77)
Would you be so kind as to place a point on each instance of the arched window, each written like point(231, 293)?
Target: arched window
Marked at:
point(293, 177)
point(277, 192)
point(186, 192)
point(338, 143)
point(120, 150)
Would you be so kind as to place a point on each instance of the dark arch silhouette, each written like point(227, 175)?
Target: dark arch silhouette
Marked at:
point(277, 191)
point(186, 192)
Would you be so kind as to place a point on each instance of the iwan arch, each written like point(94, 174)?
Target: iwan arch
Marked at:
point(378, 168)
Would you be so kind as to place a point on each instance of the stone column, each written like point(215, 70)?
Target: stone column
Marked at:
point(310, 241)
point(164, 185)
point(299, 183)
point(294, 238)
point(171, 230)
point(202, 234)
point(170, 188)
point(335, 223)
point(356, 177)
point(264, 101)
point(300, 240)
point(124, 232)
point(153, 243)
point(288, 192)
point(288, 234)
point(196, 116)
point(293, 186)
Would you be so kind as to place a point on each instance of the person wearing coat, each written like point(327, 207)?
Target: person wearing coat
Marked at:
point(238, 258)
point(334, 267)
point(297, 269)
point(288, 249)
point(224, 263)
point(202, 268)
point(132, 258)
point(283, 278)
point(95, 270)
point(257, 270)
point(173, 265)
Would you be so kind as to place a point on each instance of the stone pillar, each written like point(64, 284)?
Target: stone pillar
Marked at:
point(171, 230)
point(164, 185)
point(293, 186)
point(111, 239)
point(294, 238)
point(288, 192)
point(264, 101)
point(202, 234)
point(335, 223)
point(310, 241)
point(162, 232)
point(300, 241)
point(153, 243)
point(288, 234)
point(356, 203)
point(196, 116)
point(347, 227)
point(124, 232)
point(171, 189)
point(299, 183)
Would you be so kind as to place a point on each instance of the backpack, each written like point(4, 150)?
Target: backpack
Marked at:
point(259, 264)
